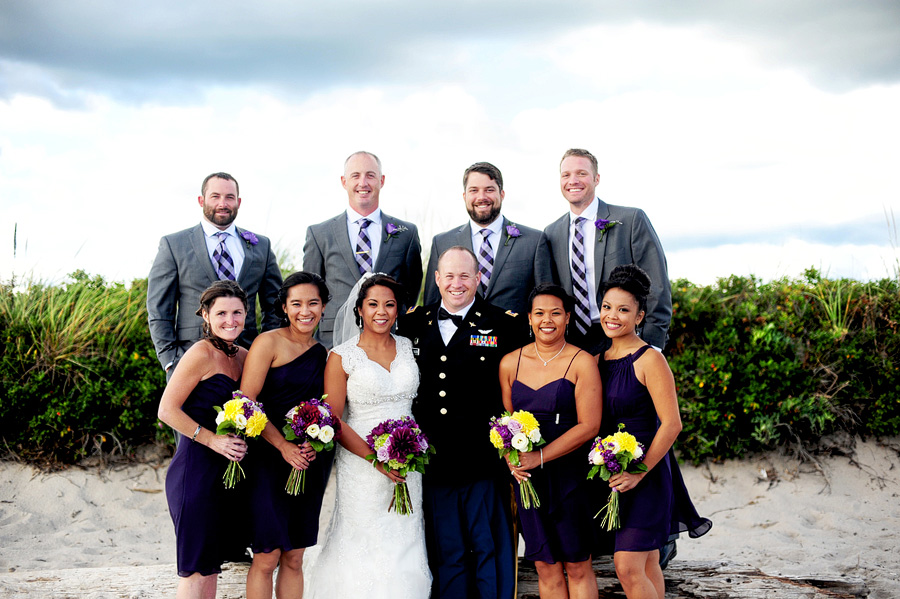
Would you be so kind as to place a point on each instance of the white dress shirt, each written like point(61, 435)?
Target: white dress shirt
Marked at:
point(590, 241)
point(447, 326)
point(233, 243)
point(373, 231)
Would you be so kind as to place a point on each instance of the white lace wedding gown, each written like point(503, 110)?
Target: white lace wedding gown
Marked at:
point(367, 551)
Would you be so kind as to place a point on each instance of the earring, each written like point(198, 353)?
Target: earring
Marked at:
point(530, 332)
point(567, 329)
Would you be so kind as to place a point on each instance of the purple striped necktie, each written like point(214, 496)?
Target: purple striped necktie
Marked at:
point(363, 252)
point(485, 261)
point(222, 259)
point(579, 279)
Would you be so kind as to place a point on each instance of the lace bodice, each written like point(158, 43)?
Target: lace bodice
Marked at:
point(373, 393)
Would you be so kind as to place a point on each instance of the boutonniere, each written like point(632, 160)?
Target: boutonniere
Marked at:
point(512, 231)
point(603, 226)
point(393, 230)
point(250, 238)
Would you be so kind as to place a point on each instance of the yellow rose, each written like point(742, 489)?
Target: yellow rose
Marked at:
point(232, 408)
point(256, 424)
point(496, 439)
point(626, 441)
point(527, 420)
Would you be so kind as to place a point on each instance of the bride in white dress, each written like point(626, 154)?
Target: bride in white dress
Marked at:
point(368, 551)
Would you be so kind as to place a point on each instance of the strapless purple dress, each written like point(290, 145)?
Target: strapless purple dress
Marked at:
point(660, 504)
point(559, 530)
point(279, 520)
point(200, 505)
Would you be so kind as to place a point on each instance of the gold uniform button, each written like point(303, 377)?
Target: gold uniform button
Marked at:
point(482, 358)
point(443, 410)
point(443, 358)
point(442, 375)
point(443, 394)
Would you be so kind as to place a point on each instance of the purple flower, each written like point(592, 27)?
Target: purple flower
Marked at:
point(603, 226)
point(393, 230)
point(512, 232)
point(250, 238)
point(403, 442)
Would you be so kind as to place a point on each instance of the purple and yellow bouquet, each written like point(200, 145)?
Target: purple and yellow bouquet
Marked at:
point(400, 445)
point(608, 456)
point(241, 417)
point(512, 433)
point(311, 421)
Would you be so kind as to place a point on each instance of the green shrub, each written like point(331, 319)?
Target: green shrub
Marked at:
point(77, 368)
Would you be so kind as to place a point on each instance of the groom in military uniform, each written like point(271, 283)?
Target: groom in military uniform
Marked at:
point(458, 343)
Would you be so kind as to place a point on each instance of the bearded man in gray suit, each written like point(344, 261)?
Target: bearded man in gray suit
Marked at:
point(191, 260)
point(362, 239)
point(594, 237)
point(505, 250)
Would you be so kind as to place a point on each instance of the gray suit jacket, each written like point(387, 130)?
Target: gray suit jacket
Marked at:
point(633, 242)
point(328, 252)
point(515, 267)
point(181, 273)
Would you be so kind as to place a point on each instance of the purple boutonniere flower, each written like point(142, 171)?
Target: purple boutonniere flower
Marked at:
point(603, 226)
point(512, 231)
point(250, 238)
point(393, 230)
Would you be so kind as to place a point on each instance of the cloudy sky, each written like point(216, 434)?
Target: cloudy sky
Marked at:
point(761, 137)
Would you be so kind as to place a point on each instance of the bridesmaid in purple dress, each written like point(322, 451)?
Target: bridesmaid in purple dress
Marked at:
point(560, 385)
point(199, 504)
point(639, 392)
point(285, 367)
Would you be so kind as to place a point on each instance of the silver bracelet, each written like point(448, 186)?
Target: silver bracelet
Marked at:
point(542, 457)
point(196, 432)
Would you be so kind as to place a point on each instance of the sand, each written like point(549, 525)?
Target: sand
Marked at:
point(109, 526)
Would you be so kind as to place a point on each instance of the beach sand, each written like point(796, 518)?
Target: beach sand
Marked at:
point(106, 531)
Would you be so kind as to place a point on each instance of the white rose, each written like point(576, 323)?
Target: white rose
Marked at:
point(614, 446)
point(220, 418)
point(597, 458)
point(326, 434)
point(241, 421)
point(312, 431)
point(535, 436)
point(520, 441)
point(638, 452)
point(504, 421)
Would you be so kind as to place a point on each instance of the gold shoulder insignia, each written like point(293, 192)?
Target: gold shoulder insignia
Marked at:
point(511, 313)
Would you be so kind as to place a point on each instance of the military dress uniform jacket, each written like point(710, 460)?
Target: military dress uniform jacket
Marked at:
point(459, 388)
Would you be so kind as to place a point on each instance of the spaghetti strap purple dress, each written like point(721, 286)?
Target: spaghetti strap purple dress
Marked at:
point(279, 520)
point(559, 530)
point(659, 504)
point(199, 503)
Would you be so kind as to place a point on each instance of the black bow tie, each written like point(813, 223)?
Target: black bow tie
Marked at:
point(444, 315)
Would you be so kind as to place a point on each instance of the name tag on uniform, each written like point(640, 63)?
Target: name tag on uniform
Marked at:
point(483, 340)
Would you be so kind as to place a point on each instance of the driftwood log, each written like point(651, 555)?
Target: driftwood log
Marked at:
point(687, 580)
point(715, 580)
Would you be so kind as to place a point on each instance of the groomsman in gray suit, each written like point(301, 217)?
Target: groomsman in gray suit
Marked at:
point(594, 237)
point(505, 250)
point(362, 239)
point(191, 260)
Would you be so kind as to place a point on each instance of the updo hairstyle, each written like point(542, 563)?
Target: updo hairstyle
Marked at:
point(300, 277)
point(378, 279)
point(630, 278)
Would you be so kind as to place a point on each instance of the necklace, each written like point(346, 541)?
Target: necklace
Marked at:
point(551, 359)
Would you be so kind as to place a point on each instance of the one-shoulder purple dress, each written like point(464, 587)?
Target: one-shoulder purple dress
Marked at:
point(659, 505)
point(200, 505)
point(559, 530)
point(279, 520)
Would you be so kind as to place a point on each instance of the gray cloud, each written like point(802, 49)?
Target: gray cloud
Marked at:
point(62, 49)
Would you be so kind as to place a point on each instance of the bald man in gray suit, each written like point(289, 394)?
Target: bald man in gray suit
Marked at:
point(191, 260)
point(362, 239)
point(505, 250)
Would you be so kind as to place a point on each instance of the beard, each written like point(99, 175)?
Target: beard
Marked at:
point(482, 218)
point(220, 220)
